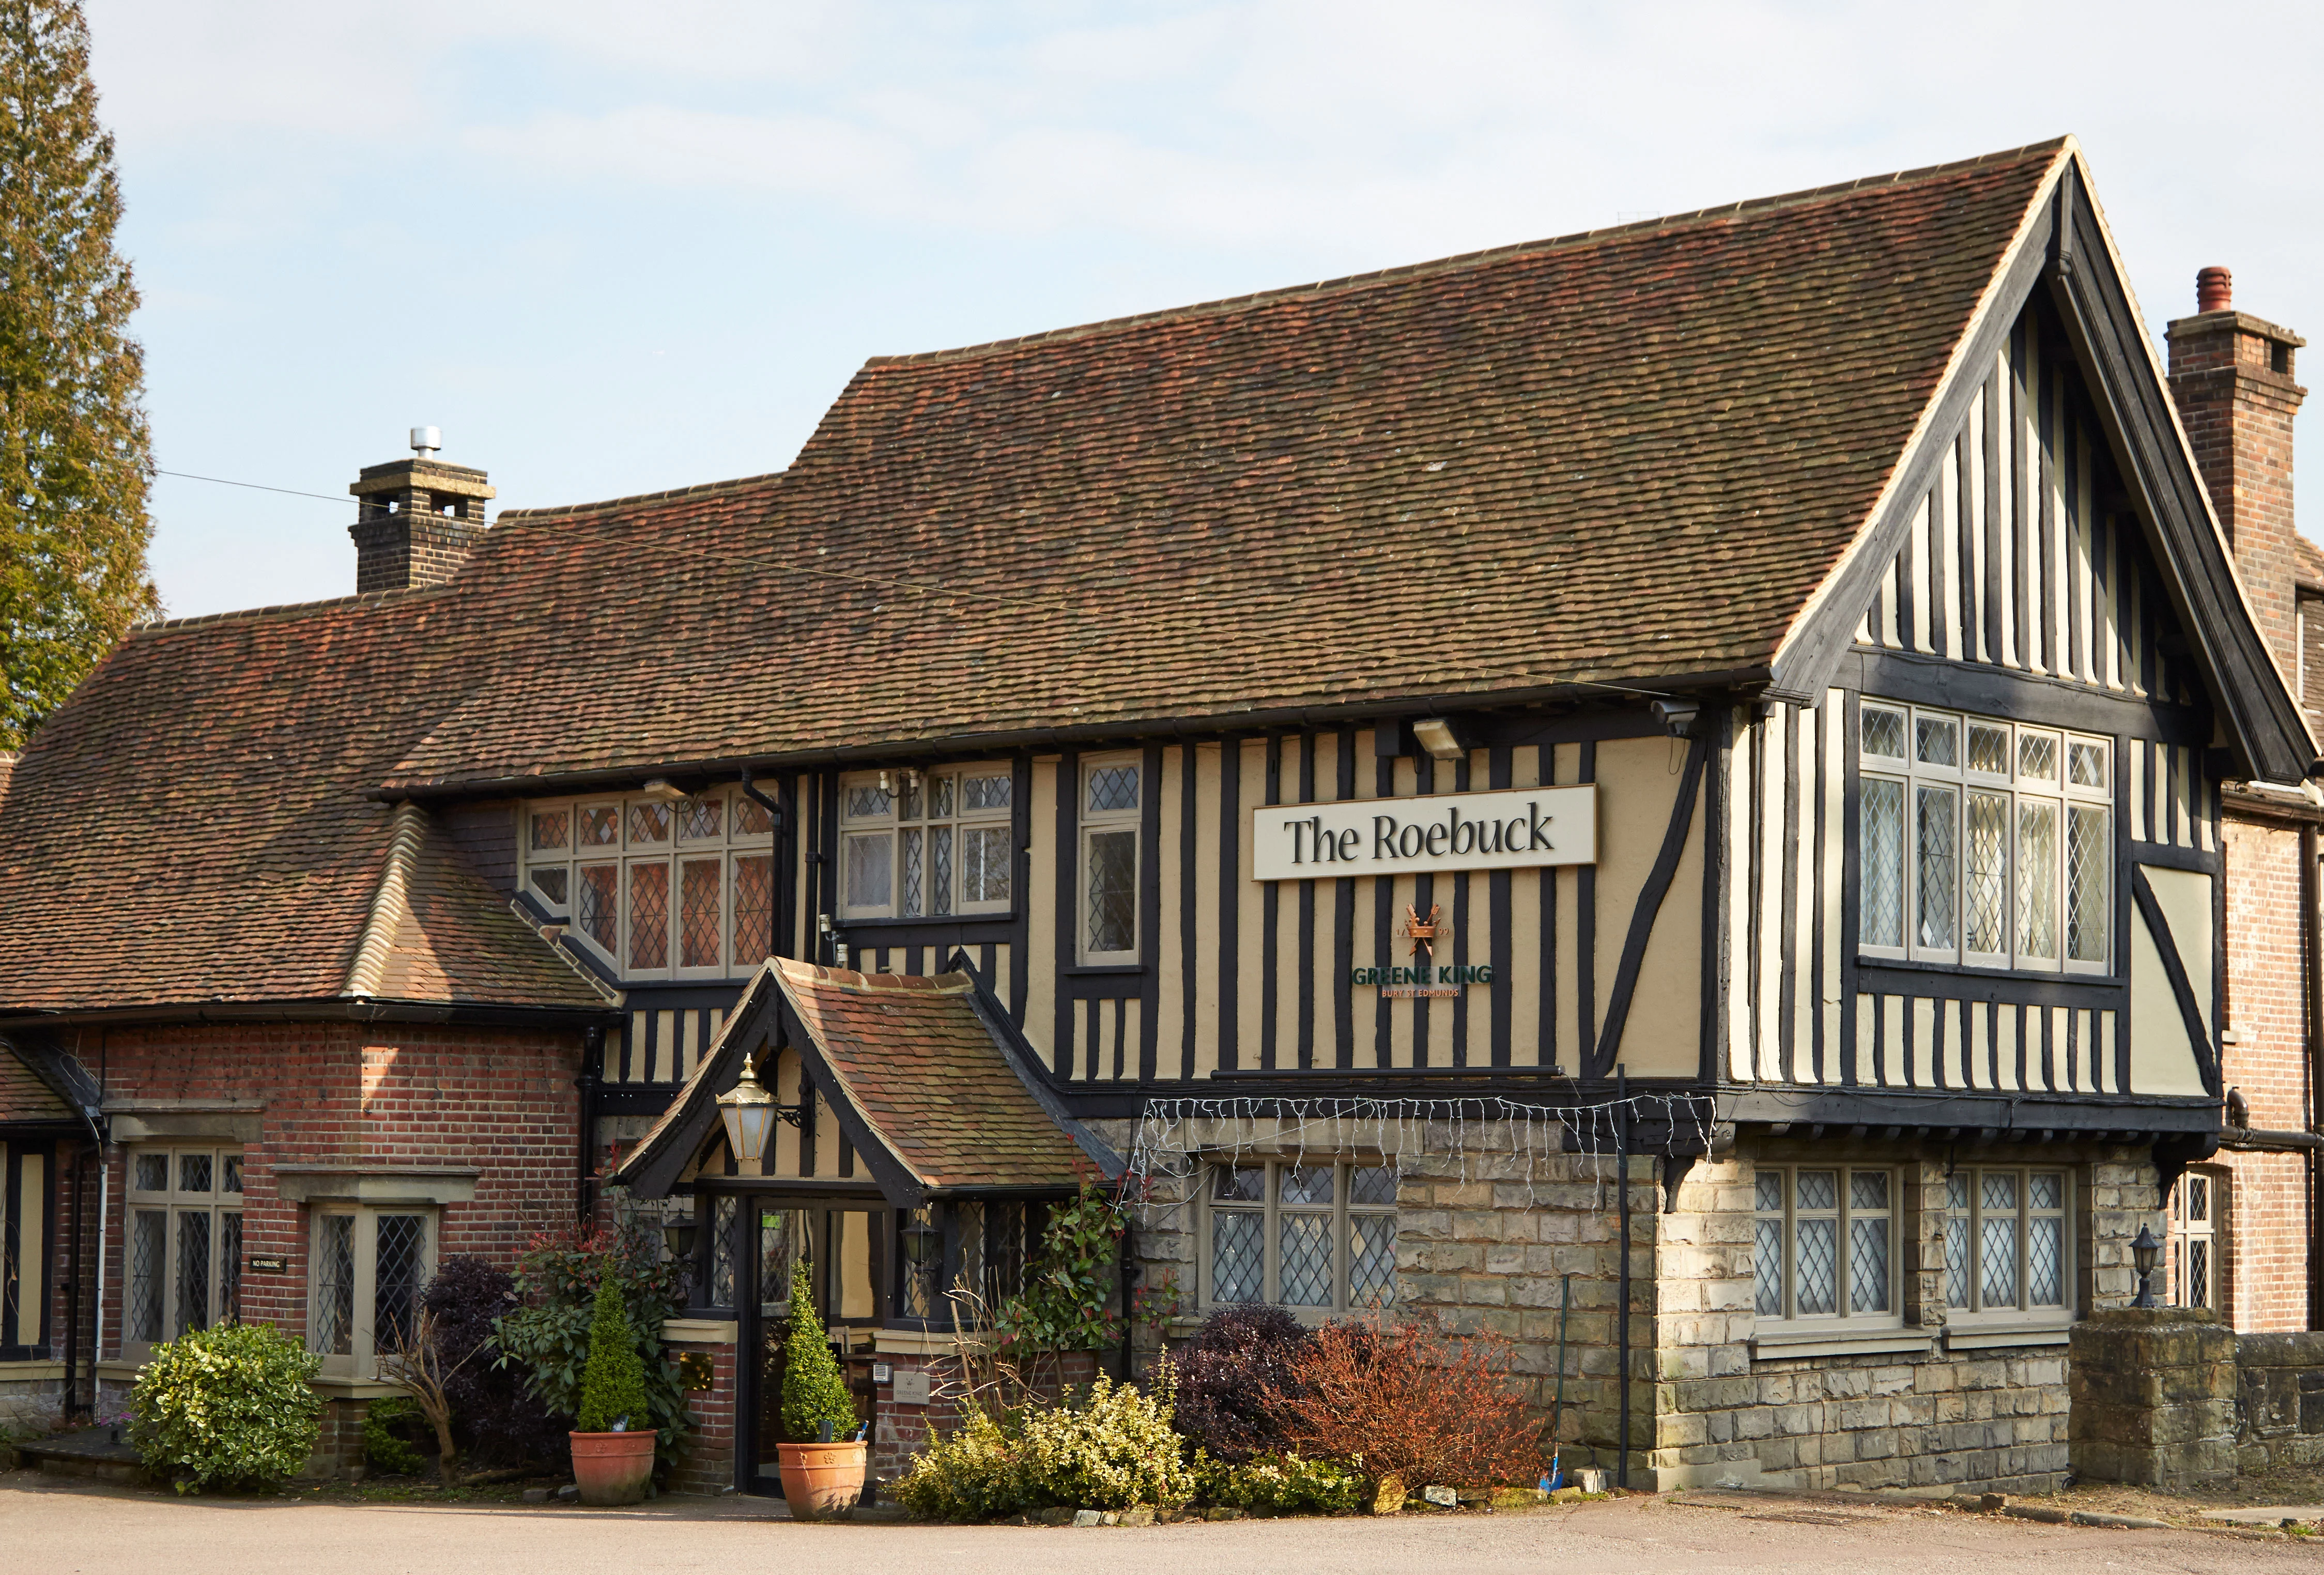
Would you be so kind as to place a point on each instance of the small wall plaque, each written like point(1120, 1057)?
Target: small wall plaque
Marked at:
point(269, 1266)
point(912, 1385)
point(693, 1368)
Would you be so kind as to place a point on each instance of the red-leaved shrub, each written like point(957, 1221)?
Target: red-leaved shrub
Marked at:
point(1411, 1402)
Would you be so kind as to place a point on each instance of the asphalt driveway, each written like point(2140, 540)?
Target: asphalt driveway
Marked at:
point(53, 1527)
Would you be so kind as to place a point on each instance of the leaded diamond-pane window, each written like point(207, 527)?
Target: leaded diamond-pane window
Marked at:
point(601, 826)
point(1112, 788)
point(1882, 863)
point(930, 844)
point(1318, 1236)
point(1937, 824)
point(649, 821)
point(701, 819)
point(182, 1247)
point(551, 829)
point(1823, 1244)
point(402, 1243)
point(649, 917)
point(1237, 1263)
point(598, 916)
point(699, 913)
point(1112, 891)
point(333, 1329)
point(754, 907)
point(1993, 843)
point(2008, 1250)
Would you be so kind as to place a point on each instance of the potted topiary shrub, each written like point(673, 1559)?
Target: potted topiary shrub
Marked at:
point(613, 1436)
point(822, 1468)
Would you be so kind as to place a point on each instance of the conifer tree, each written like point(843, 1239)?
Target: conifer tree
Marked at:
point(74, 454)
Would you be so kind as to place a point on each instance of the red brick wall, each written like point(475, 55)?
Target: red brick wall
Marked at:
point(708, 1466)
point(502, 1100)
point(2267, 1221)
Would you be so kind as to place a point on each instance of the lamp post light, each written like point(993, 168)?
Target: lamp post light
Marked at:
point(748, 1110)
point(2144, 1252)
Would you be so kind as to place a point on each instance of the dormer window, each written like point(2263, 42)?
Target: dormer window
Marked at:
point(660, 889)
point(1984, 842)
point(926, 844)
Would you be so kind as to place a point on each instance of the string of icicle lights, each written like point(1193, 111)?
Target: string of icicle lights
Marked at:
point(1176, 1137)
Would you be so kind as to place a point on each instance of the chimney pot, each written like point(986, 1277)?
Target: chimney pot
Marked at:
point(2215, 289)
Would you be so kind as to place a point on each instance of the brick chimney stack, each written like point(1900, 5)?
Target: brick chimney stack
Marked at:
point(419, 519)
point(2231, 375)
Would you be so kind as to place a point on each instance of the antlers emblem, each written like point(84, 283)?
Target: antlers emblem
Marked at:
point(1425, 933)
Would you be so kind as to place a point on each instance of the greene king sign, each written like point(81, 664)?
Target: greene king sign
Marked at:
point(1519, 830)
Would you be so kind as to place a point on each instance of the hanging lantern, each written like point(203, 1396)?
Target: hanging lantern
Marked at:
point(749, 1112)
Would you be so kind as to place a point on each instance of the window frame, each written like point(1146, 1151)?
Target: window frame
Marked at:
point(360, 1361)
point(1916, 778)
point(2181, 1233)
point(2025, 1310)
point(1091, 825)
point(1843, 1320)
point(627, 853)
point(222, 1285)
point(1007, 1233)
point(897, 783)
point(1343, 1211)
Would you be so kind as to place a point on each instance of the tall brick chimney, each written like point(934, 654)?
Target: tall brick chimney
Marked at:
point(2231, 375)
point(418, 518)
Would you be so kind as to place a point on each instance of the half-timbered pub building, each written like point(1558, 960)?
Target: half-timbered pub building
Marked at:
point(1671, 793)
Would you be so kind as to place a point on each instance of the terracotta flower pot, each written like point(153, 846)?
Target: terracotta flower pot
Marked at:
point(612, 1467)
point(821, 1481)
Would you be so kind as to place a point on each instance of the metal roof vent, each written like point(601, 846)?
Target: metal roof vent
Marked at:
point(426, 441)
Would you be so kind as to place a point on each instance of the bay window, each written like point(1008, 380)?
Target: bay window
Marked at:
point(366, 1269)
point(926, 844)
point(1983, 842)
point(660, 889)
point(183, 1246)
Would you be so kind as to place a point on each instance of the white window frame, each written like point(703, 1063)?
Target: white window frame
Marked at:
point(910, 835)
point(1845, 1213)
point(223, 1283)
point(360, 1360)
point(2186, 1229)
point(542, 869)
point(1342, 1212)
point(1096, 823)
point(1917, 779)
point(1963, 1201)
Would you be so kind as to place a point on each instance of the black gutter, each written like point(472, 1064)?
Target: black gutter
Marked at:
point(1742, 679)
point(1622, 1297)
point(74, 1410)
point(593, 1059)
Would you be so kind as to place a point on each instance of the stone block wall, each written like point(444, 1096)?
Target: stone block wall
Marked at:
point(2278, 1401)
point(2153, 1396)
point(1493, 1222)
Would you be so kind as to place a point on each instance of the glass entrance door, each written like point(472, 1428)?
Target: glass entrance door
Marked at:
point(842, 1249)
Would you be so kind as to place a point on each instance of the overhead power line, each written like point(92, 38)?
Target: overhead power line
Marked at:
point(253, 487)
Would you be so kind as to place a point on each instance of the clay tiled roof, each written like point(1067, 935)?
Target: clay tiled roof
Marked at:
point(25, 1095)
point(191, 826)
point(1627, 454)
point(921, 1068)
point(2308, 561)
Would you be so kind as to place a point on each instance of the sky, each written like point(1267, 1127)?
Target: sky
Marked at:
point(609, 249)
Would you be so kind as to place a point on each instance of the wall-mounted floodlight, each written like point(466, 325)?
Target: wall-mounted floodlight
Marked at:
point(1678, 716)
point(661, 791)
point(1435, 735)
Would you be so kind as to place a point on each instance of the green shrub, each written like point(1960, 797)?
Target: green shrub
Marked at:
point(226, 1407)
point(1066, 1302)
point(381, 1445)
point(1113, 1450)
point(1109, 1448)
point(1278, 1484)
point(547, 1339)
point(613, 1383)
point(970, 1474)
point(814, 1391)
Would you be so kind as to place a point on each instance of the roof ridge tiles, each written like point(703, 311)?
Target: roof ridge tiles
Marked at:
point(1226, 304)
point(700, 489)
point(284, 609)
